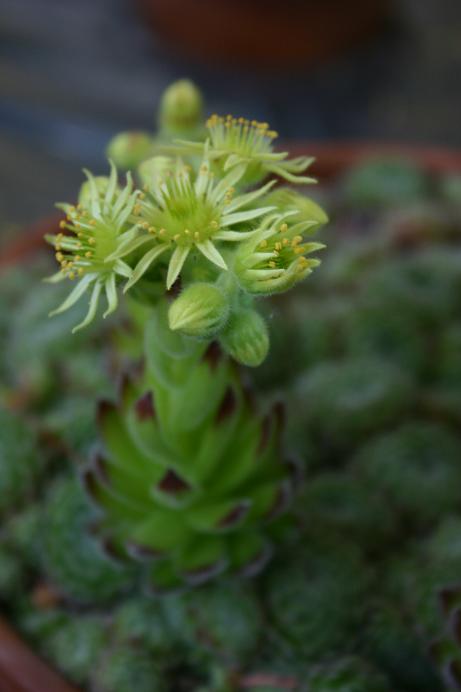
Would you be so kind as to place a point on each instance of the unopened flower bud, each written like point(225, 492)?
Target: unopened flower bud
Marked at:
point(128, 149)
point(246, 338)
point(181, 108)
point(201, 310)
point(100, 181)
point(152, 170)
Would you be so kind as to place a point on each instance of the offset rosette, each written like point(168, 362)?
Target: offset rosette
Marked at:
point(189, 475)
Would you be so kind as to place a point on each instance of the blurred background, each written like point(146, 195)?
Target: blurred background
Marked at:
point(73, 73)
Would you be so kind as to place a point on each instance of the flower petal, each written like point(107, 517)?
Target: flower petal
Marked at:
point(144, 264)
point(92, 309)
point(210, 252)
point(74, 295)
point(240, 216)
point(111, 295)
point(177, 260)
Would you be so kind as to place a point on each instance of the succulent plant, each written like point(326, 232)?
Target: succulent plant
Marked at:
point(72, 558)
point(223, 619)
point(189, 475)
point(189, 478)
point(127, 668)
point(416, 466)
point(76, 645)
point(343, 400)
point(20, 464)
point(348, 675)
point(316, 598)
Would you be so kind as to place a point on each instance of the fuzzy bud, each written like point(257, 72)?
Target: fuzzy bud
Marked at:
point(201, 311)
point(101, 182)
point(128, 149)
point(246, 338)
point(181, 108)
point(152, 170)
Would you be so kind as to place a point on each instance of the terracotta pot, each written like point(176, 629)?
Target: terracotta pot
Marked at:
point(20, 669)
point(264, 34)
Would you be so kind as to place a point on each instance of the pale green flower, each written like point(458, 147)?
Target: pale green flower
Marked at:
point(236, 141)
point(187, 212)
point(96, 228)
point(275, 258)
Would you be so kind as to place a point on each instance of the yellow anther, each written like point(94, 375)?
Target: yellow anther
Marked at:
point(272, 264)
point(88, 254)
point(62, 224)
point(91, 241)
point(285, 242)
point(299, 250)
point(278, 246)
point(77, 258)
point(162, 232)
point(214, 224)
point(177, 236)
point(93, 222)
point(71, 275)
point(151, 229)
point(142, 195)
point(186, 231)
point(80, 271)
point(284, 227)
point(263, 243)
point(196, 235)
point(59, 256)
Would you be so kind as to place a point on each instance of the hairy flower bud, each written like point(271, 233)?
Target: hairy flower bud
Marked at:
point(128, 149)
point(246, 338)
point(201, 311)
point(101, 183)
point(153, 170)
point(181, 108)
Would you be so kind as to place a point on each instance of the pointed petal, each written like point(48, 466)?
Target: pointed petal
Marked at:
point(112, 186)
point(177, 260)
point(229, 181)
point(235, 235)
point(249, 197)
point(128, 245)
point(283, 173)
point(210, 252)
point(92, 309)
point(95, 206)
point(111, 295)
point(232, 160)
point(122, 268)
point(74, 295)
point(144, 264)
point(240, 216)
point(55, 278)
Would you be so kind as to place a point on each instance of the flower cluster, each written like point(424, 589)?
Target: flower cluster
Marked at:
point(196, 215)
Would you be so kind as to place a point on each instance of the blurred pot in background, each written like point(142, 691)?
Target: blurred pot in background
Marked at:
point(269, 34)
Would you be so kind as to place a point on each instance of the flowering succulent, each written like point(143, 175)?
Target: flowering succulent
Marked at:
point(190, 472)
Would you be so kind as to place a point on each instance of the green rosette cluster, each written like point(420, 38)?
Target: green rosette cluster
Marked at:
point(188, 474)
